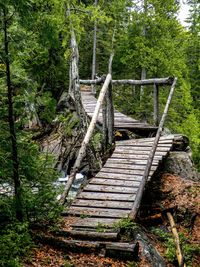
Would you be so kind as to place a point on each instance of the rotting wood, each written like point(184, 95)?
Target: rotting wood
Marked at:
point(92, 235)
point(176, 240)
point(87, 137)
point(139, 195)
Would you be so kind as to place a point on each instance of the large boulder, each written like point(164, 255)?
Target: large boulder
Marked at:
point(180, 163)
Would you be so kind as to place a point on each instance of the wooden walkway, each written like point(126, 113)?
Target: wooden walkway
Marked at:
point(121, 121)
point(109, 196)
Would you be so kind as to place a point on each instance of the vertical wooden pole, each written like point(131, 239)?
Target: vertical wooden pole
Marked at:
point(140, 191)
point(156, 104)
point(110, 115)
point(105, 124)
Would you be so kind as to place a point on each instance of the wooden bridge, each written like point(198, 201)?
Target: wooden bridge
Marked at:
point(116, 191)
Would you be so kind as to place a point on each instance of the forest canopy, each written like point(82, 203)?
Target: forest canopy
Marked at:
point(149, 42)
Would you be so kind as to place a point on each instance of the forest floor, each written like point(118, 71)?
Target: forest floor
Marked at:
point(179, 196)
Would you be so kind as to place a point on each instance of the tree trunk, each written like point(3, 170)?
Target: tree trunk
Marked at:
point(86, 140)
point(15, 160)
point(94, 52)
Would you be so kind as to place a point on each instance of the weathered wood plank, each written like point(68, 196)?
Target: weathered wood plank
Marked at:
point(131, 161)
point(102, 204)
point(106, 196)
point(141, 148)
point(135, 156)
point(128, 166)
point(134, 152)
point(102, 181)
point(93, 235)
point(109, 188)
point(123, 171)
point(98, 212)
point(119, 176)
point(94, 222)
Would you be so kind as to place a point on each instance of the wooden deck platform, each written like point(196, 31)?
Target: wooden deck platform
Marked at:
point(110, 195)
point(121, 121)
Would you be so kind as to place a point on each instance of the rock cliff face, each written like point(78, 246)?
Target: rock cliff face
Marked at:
point(180, 163)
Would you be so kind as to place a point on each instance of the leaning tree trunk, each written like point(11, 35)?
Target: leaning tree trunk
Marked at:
point(15, 160)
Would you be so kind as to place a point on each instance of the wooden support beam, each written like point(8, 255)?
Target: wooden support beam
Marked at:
point(158, 81)
point(156, 105)
point(140, 191)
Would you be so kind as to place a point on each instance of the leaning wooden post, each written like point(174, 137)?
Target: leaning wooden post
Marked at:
point(156, 105)
point(140, 191)
point(86, 140)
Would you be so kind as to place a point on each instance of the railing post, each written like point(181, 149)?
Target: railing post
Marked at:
point(110, 115)
point(105, 124)
point(140, 191)
point(156, 104)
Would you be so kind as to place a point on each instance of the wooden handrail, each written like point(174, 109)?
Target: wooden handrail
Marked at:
point(86, 139)
point(158, 81)
point(140, 191)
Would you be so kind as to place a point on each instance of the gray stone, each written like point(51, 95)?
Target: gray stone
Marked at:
point(180, 163)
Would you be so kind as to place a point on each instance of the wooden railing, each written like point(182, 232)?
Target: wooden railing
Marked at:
point(108, 122)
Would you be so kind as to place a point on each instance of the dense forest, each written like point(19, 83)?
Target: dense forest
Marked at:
point(148, 41)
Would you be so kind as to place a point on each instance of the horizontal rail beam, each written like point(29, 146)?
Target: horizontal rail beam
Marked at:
point(157, 81)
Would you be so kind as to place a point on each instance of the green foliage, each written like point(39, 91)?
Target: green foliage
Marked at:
point(188, 249)
point(70, 122)
point(168, 241)
point(126, 224)
point(15, 242)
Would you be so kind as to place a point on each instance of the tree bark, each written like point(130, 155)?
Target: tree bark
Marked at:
point(86, 140)
point(140, 191)
point(15, 159)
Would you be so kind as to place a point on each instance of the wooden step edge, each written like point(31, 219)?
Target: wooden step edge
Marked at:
point(91, 235)
point(120, 250)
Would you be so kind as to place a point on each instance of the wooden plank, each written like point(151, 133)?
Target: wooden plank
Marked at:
point(119, 176)
point(148, 145)
point(135, 156)
point(106, 196)
point(93, 235)
point(139, 148)
point(132, 161)
point(128, 166)
point(123, 171)
point(98, 212)
point(142, 140)
point(139, 152)
point(102, 204)
point(94, 222)
point(109, 188)
point(102, 181)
